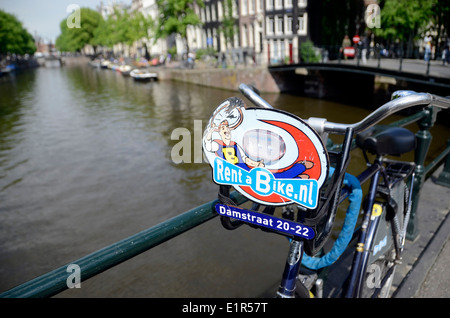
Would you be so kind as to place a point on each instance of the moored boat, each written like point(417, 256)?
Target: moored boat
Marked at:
point(95, 63)
point(143, 75)
point(125, 70)
point(113, 66)
point(105, 64)
point(8, 69)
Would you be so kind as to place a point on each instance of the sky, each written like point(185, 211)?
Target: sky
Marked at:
point(42, 17)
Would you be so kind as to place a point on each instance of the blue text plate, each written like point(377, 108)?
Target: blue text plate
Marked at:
point(265, 220)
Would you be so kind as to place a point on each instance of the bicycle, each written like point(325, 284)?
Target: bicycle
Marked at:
point(310, 199)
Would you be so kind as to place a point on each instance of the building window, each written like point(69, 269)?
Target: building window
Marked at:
point(288, 4)
point(244, 7)
point(235, 11)
point(302, 24)
point(251, 6)
point(270, 25)
point(213, 12)
point(269, 4)
point(279, 25)
point(288, 26)
point(220, 10)
point(275, 51)
point(260, 5)
point(278, 4)
point(302, 3)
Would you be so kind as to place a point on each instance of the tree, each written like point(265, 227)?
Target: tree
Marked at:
point(175, 16)
point(142, 26)
point(308, 54)
point(131, 28)
point(121, 27)
point(73, 39)
point(101, 36)
point(403, 19)
point(14, 38)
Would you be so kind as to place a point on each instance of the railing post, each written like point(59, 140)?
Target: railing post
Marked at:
point(444, 176)
point(379, 57)
point(339, 56)
point(423, 144)
point(358, 55)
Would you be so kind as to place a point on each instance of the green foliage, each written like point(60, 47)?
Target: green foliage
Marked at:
point(14, 38)
point(172, 51)
point(74, 39)
point(142, 27)
point(200, 53)
point(308, 53)
point(401, 19)
point(128, 29)
point(175, 16)
point(102, 34)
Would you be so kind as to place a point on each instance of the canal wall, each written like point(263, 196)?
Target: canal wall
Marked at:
point(228, 79)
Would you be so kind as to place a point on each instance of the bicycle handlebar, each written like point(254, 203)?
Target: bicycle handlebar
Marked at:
point(400, 100)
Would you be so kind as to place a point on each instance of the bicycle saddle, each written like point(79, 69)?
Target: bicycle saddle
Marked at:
point(386, 140)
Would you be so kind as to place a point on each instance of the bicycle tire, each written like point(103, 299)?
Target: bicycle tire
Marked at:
point(383, 256)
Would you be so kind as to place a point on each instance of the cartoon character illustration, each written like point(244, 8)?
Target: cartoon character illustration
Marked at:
point(231, 116)
point(227, 149)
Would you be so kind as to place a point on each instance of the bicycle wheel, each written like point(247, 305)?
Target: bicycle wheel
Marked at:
point(381, 262)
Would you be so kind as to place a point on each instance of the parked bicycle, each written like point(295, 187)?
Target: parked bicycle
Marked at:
point(278, 160)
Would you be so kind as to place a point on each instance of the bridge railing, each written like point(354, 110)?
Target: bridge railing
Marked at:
point(56, 281)
point(374, 56)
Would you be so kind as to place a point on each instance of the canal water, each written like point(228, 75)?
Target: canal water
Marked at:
point(85, 161)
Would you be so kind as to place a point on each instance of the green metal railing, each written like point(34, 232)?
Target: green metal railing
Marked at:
point(55, 281)
point(425, 120)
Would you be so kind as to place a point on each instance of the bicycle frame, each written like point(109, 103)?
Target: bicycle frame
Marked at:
point(369, 226)
point(372, 174)
point(366, 235)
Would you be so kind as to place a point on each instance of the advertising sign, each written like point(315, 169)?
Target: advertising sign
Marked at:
point(269, 156)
